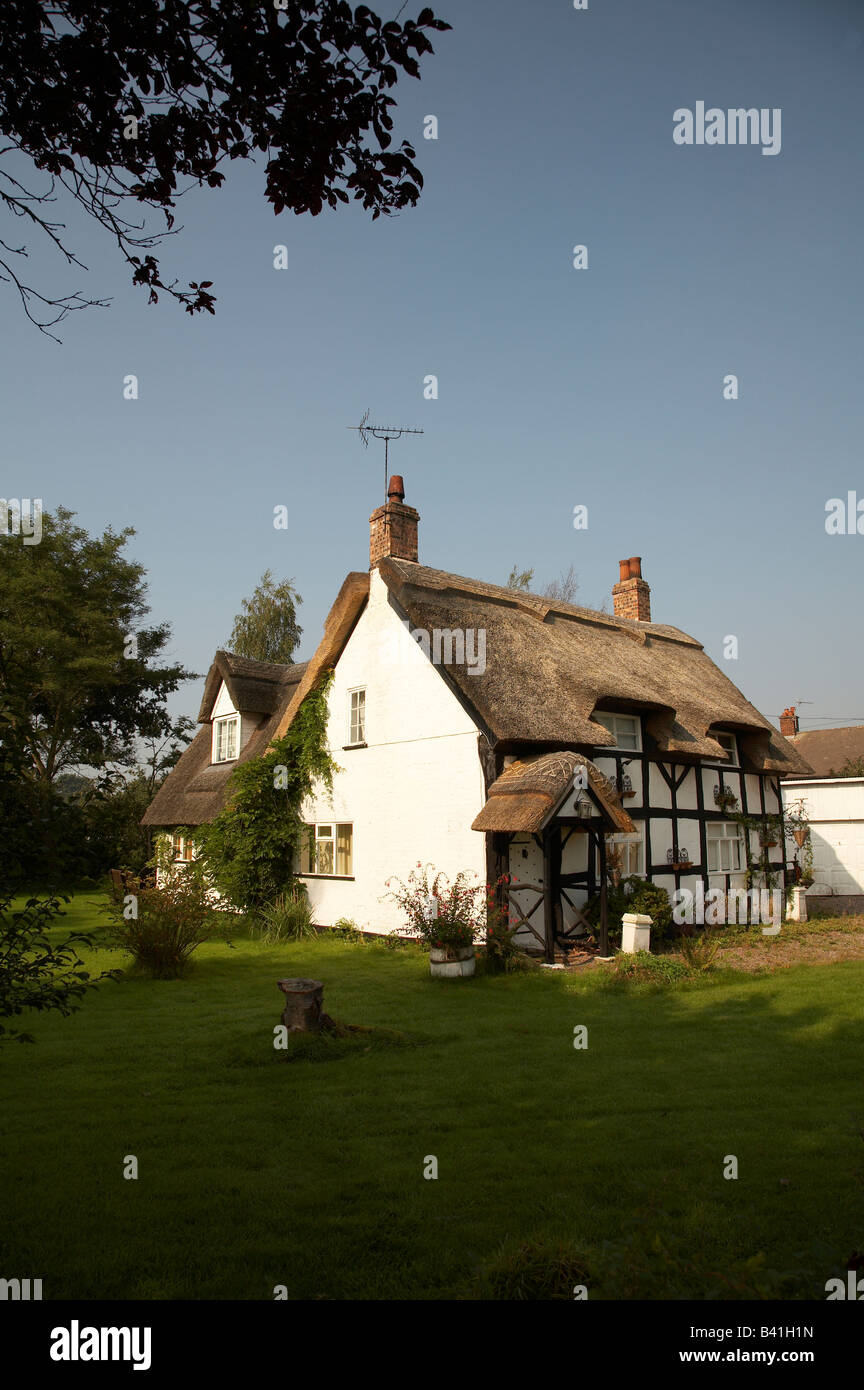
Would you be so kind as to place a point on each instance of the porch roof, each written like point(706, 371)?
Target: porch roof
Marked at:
point(529, 792)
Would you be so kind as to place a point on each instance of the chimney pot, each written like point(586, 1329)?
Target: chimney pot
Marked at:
point(631, 595)
point(393, 527)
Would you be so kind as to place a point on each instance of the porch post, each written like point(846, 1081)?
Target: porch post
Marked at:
point(604, 923)
point(548, 899)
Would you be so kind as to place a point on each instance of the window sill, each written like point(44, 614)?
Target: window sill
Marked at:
point(340, 878)
point(346, 747)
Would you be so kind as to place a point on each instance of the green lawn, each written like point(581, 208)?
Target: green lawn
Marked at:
point(256, 1172)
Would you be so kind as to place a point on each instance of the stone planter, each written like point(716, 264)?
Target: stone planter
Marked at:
point(635, 932)
point(797, 910)
point(451, 962)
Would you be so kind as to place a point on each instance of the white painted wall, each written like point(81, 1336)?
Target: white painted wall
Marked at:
point(413, 792)
point(835, 808)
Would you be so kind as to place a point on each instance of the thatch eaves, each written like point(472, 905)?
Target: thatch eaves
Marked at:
point(549, 665)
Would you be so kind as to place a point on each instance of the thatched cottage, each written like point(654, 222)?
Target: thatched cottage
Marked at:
point(482, 728)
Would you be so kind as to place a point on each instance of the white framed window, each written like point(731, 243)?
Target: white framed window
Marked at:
point(328, 849)
point(629, 852)
point(182, 847)
point(226, 737)
point(624, 728)
point(725, 847)
point(728, 742)
point(357, 716)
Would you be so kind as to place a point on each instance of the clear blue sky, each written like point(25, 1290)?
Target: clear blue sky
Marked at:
point(556, 386)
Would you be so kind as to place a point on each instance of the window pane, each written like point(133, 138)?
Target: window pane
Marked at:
point(324, 857)
point(306, 850)
point(343, 849)
point(357, 730)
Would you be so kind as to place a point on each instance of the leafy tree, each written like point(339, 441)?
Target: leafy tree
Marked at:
point(267, 628)
point(853, 767)
point(78, 683)
point(561, 590)
point(520, 579)
point(119, 108)
point(250, 847)
point(36, 972)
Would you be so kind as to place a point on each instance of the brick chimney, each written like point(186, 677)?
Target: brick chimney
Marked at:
point(789, 722)
point(631, 595)
point(393, 527)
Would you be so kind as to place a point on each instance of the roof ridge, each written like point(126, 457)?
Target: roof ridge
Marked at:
point(542, 606)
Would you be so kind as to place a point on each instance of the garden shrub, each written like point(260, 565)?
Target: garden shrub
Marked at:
point(346, 929)
point(290, 917)
point(642, 967)
point(700, 949)
point(633, 894)
point(161, 927)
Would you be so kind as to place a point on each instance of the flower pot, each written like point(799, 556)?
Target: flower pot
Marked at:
point(451, 962)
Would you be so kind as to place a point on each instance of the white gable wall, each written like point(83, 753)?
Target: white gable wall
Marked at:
point(224, 707)
point(413, 792)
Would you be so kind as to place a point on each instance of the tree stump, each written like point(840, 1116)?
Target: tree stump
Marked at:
point(304, 1006)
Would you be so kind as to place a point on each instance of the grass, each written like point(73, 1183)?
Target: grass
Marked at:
point(606, 1161)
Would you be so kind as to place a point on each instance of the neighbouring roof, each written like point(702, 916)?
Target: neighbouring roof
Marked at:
point(530, 791)
point(549, 664)
point(194, 791)
point(828, 750)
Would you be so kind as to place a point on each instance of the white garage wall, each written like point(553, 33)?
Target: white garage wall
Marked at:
point(835, 808)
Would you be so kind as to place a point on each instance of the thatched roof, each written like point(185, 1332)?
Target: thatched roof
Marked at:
point(828, 750)
point(254, 686)
point(549, 665)
point(529, 792)
point(194, 791)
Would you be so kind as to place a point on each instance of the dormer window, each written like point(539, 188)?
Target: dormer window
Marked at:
point(729, 743)
point(624, 728)
point(226, 736)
